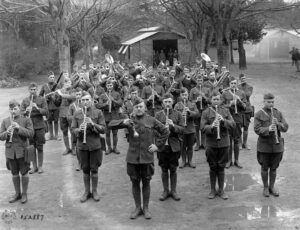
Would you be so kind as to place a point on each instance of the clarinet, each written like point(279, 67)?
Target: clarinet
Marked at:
point(29, 114)
point(235, 102)
point(275, 131)
point(109, 95)
point(167, 117)
point(12, 131)
point(84, 131)
point(218, 127)
point(135, 133)
point(201, 103)
point(184, 103)
point(153, 99)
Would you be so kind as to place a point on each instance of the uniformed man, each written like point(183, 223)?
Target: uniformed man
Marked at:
point(53, 110)
point(96, 90)
point(16, 130)
point(247, 114)
point(189, 112)
point(110, 103)
point(168, 156)
point(268, 125)
point(216, 123)
point(87, 124)
point(200, 96)
point(235, 101)
point(140, 156)
point(35, 107)
point(188, 82)
point(153, 93)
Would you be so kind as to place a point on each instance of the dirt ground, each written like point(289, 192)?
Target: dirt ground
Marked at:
point(54, 195)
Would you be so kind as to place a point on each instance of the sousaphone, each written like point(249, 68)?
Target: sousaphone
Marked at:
point(205, 57)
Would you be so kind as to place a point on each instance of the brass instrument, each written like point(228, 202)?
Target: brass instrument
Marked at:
point(30, 106)
point(110, 103)
point(218, 128)
point(84, 131)
point(12, 131)
point(275, 131)
point(185, 116)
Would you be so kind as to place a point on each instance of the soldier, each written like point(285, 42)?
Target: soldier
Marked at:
point(140, 156)
point(87, 124)
point(168, 156)
point(216, 123)
point(96, 90)
point(110, 103)
point(268, 125)
point(53, 110)
point(200, 96)
point(16, 130)
point(82, 82)
point(67, 100)
point(35, 107)
point(248, 113)
point(153, 93)
point(188, 82)
point(189, 112)
point(235, 101)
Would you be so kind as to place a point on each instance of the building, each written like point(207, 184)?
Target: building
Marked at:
point(150, 45)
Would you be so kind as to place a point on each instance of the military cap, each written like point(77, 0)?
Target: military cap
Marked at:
point(137, 101)
point(268, 96)
point(13, 103)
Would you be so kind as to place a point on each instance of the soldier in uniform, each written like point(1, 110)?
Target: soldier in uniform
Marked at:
point(235, 101)
point(16, 130)
point(96, 90)
point(188, 82)
point(67, 99)
point(268, 125)
point(189, 111)
point(53, 110)
point(247, 114)
point(216, 123)
point(153, 93)
point(87, 124)
point(200, 96)
point(170, 153)
point(110, 103)
point(35, 107)
point(140, 156)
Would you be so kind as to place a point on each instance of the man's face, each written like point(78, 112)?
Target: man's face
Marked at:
point(243, 80)
point(51, 78)
point(66, 74)
point(172, 74)
point(68, 84)
point(269, 103)
point(186, 71)
point(109, 86)
point(233, 84)
point(153, 79)
point(199, 81)
point(130, 81)
point(133, 94)
point(168, 103)
point(223, 69)
point(83, 67)
point(139, 109)
point(15, 111)
point(78, 95)
point(184, 95)
point(216, 100)
point(81, 76)
point(86, 101)
point(33, 90)
point(212, 76)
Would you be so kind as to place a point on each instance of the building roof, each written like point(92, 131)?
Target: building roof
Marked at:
point(139, 38)
point(149, 29)
point(293, 32)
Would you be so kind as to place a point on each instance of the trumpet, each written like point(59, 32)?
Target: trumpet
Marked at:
point(275, 131)
point(84, 131)
point(30, 106)
point(218, 127)
point(12, 130)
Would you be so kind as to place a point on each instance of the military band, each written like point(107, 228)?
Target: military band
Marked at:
point(163, 111)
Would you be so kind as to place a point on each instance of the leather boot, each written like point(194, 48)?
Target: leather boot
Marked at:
point(87, 193)
point(183, 158)
point(67, 144)
point(245, 139)
point(264, 177)
point(190, 158)
point(165, 182)
point(273, 191)
point(55, 130)
point(25, 182)
point(236, 150)
point(74, 150)
point(34, 164)
point(221, 178)
point(17, 186)
point(40, 161)
point(115, 143)
point(96, 197)
point(173, 179)
point(146, 198)
point(197, 136)
point(50, 124)
point(136, 193)
point(213, 179)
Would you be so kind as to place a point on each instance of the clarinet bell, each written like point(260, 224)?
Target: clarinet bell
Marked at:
point(135, 134)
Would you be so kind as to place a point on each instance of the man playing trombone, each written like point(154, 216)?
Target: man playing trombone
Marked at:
point(216, 123)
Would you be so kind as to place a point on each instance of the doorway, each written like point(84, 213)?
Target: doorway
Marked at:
point(164, 50)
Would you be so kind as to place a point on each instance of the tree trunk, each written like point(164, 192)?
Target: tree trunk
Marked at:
point(222, 48)
point(63, 50)
point(86, 53)
point(193, 53)
point(208, 40)
point(242, 54)
point(231, 53)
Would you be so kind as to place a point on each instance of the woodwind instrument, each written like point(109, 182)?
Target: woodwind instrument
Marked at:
point(218, 127)
point(12, 131)
point(30, 106)
point(153, 99)
point(110, 104)
point(201, 101)
point(235, 101)
point(84, 131)
point(135, 133)
point(185, 116)
point(275, 131)
point(167, 117)
point(171, 87)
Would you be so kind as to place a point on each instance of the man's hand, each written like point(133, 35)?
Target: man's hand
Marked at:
point(82, 127)
point(152, 148)
point(88, 120)
point(199, 98)
point(169, 122)
point(272, 128)
point(127, 121)
point(59, 92)
point(15, 125)
point(275, 121)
